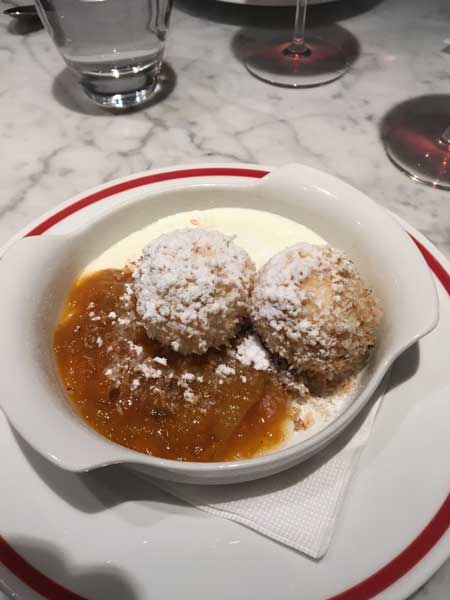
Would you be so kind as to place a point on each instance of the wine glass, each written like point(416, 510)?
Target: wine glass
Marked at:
point(297, 62)
point(417, 139)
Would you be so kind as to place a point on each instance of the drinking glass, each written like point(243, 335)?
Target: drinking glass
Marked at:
point(298, 61)
point(114, 46)
point(417, 139)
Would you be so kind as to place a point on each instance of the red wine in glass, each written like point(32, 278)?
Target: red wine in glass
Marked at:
point(298, 61)
point(417, 139)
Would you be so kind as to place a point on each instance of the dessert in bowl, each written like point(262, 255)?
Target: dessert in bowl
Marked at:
point(167, 351)
point(140, 362)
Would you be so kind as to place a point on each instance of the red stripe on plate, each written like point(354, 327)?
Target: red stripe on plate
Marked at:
point(32, 577)
point(138, 182)
point(366, 589)
point(404, 561)
point(434, 265)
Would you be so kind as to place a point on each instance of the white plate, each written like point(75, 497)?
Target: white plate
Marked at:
point(110, 535)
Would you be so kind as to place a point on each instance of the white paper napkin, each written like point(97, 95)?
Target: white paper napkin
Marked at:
point(298, 507)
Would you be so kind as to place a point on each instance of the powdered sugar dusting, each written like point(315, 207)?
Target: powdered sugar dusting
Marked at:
point(192, 288)
point(311, 413)
point(148, 371)
point(312, 308)
point(251, 353)
point(161, 360)
point(225, 370)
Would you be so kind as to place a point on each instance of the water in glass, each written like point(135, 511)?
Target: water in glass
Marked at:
point(116, 46)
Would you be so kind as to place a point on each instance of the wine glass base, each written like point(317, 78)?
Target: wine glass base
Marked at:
point(274, 64)
point(415, 146)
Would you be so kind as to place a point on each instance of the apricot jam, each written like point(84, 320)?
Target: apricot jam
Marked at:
point(141, 395)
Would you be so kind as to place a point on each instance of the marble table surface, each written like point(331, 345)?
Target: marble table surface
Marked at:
point(54, 144)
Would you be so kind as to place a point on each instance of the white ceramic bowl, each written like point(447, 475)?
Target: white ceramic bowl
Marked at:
point(36, 273)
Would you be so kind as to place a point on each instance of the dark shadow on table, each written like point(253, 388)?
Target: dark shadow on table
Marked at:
point(273, 16)
point(66, 89)
point(24, 26)
point(98, 582)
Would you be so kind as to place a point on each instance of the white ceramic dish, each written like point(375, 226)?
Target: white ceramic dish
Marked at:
point(109, 534)
point(32, 396)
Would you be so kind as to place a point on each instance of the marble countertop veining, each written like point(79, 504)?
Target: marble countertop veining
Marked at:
point(54, 144)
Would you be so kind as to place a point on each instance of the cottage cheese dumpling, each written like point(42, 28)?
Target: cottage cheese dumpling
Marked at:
point(192, 289)
point(311, 307)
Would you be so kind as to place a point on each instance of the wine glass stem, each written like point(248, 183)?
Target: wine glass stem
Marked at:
point(298, 45)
